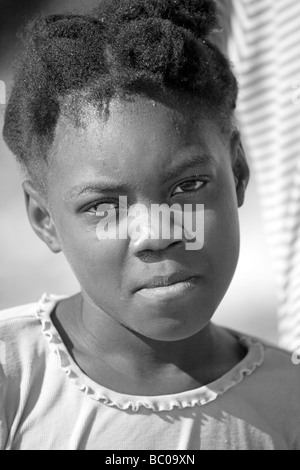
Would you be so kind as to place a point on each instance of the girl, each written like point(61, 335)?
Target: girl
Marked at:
point(134, 101)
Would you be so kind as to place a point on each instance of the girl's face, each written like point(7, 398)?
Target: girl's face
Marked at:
point(152, 154)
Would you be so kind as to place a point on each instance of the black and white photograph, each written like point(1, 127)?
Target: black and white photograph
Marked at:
point(149, 227)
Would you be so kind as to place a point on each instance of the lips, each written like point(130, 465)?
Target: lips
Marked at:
point(166, 281)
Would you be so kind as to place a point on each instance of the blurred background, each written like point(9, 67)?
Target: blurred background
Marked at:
point(27, 267)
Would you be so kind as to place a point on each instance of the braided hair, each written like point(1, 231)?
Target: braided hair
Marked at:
point(123, 48)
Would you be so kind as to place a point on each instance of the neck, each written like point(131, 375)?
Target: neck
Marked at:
point(109, 345)
point(108, 338)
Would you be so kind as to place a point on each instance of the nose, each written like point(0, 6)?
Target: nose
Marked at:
point(148, 233)
point(144, 243)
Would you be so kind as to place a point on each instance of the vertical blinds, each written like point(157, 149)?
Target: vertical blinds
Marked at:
point(264, 45)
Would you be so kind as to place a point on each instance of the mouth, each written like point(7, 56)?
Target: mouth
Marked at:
point(168, 287)
point(166, 281)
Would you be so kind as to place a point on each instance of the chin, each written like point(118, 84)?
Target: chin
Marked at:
point(175, 324)
point(172, 333)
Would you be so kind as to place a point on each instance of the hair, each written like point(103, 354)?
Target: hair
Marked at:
point(123, 48)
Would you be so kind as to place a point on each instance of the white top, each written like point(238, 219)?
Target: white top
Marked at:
point(48, 403)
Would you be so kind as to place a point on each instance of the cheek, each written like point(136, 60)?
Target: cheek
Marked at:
point(222, 234)
point(95, 263)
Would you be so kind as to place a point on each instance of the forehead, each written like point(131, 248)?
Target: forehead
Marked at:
point(137, 119)
point(141, 135)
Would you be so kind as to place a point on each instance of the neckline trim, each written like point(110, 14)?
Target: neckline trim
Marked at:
point(188, 399)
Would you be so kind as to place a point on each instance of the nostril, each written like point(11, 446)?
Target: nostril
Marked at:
point(154, 255)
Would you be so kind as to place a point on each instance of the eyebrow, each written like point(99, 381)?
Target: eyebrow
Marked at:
point(101, 186)
point(187, 163)
point(94, 188)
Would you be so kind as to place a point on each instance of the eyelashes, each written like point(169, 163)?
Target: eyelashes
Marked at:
point(186, 187)
point(102, 207)
point(200, 181)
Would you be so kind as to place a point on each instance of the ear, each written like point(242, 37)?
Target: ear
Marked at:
point(40, 217)
point(240, 167)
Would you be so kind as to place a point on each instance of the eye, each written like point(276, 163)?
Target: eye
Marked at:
point(190, 186)
point(102, 208)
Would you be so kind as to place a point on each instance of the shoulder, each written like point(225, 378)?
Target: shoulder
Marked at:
point(278, 367)
point(20, 313)
point(280, 392)
point(272, 375)
point(18, 322)
point(22, 342)
point(273, 361)
point(27, 317)
point(269, 394)
point(282, 368)
point(22, 349)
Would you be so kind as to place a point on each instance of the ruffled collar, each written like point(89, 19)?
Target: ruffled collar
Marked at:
point(197, 397)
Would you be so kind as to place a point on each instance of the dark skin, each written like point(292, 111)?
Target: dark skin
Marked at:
point(118, 337)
